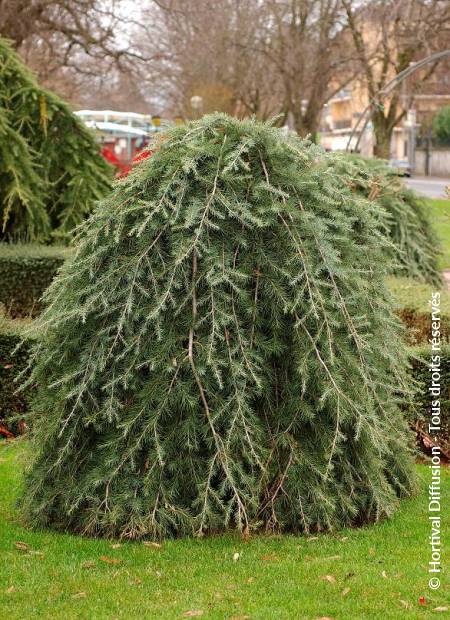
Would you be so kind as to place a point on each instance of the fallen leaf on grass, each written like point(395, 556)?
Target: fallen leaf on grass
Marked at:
point(10, 590)
point(193, 613)
point(371, 551)
point(88, 564)
point(384, 574)
point(150, 543)
point(269, 557)
point(440, 609)
point(405, 604)
point(105, 558)
point(5, 432)
point(116, 546)
point(329, 578)
point(79, 595)
point(344, 538)
point(345, 591)
point(422, 600)
point(26, 548)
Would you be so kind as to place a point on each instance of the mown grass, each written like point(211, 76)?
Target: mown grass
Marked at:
point(373, 572)
point(440, 217)
point(408, 293)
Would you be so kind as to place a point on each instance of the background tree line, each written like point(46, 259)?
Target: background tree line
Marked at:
point(245, 57)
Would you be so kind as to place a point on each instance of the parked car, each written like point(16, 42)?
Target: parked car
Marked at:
point(401, 166)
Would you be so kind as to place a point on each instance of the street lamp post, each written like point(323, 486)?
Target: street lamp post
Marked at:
point(410, 124)
point(197, 106)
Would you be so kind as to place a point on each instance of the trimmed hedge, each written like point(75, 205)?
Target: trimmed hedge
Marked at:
point(26, 270)
point(13, 360)
point(419, 416)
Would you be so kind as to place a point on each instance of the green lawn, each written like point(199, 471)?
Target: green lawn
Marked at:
point(409, 293)
point(369, 573)
point(440, 217)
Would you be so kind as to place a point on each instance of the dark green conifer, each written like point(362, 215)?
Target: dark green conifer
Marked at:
point(51, 170)
point(415, 248)
point(220, 351)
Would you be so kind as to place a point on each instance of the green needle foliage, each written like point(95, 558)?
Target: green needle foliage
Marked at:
point(51, 171)
point(415, 246)
point(441, 125)
point(221, 351)
point(21, 193)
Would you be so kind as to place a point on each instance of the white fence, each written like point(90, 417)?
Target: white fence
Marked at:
point(439, 162)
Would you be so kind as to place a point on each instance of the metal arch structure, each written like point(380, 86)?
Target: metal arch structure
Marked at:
point(387, 89)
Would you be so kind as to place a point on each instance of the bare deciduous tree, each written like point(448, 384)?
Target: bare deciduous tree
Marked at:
point(389, 35)
point(72, 45)
point(206, 48)
point(252, 57)
point(283, 57)
point(70, 25)
point(304, 44)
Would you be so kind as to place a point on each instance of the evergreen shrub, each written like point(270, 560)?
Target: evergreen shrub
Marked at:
point(14, 356)
point(441, 125)
point(221, 350)
point(26, 270)
point(419, 415)
point(51, 169)
point(415, 248)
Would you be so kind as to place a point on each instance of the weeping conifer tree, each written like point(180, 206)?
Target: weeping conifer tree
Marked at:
point(221, 351)
point(51, 170)
point(415, 246)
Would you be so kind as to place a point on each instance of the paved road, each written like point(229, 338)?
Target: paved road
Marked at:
point(432, 187)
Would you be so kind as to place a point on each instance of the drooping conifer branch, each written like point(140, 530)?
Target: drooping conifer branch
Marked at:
point(50, 164)
point(415, 247)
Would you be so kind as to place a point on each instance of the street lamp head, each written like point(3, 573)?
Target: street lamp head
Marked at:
point(196, 102)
